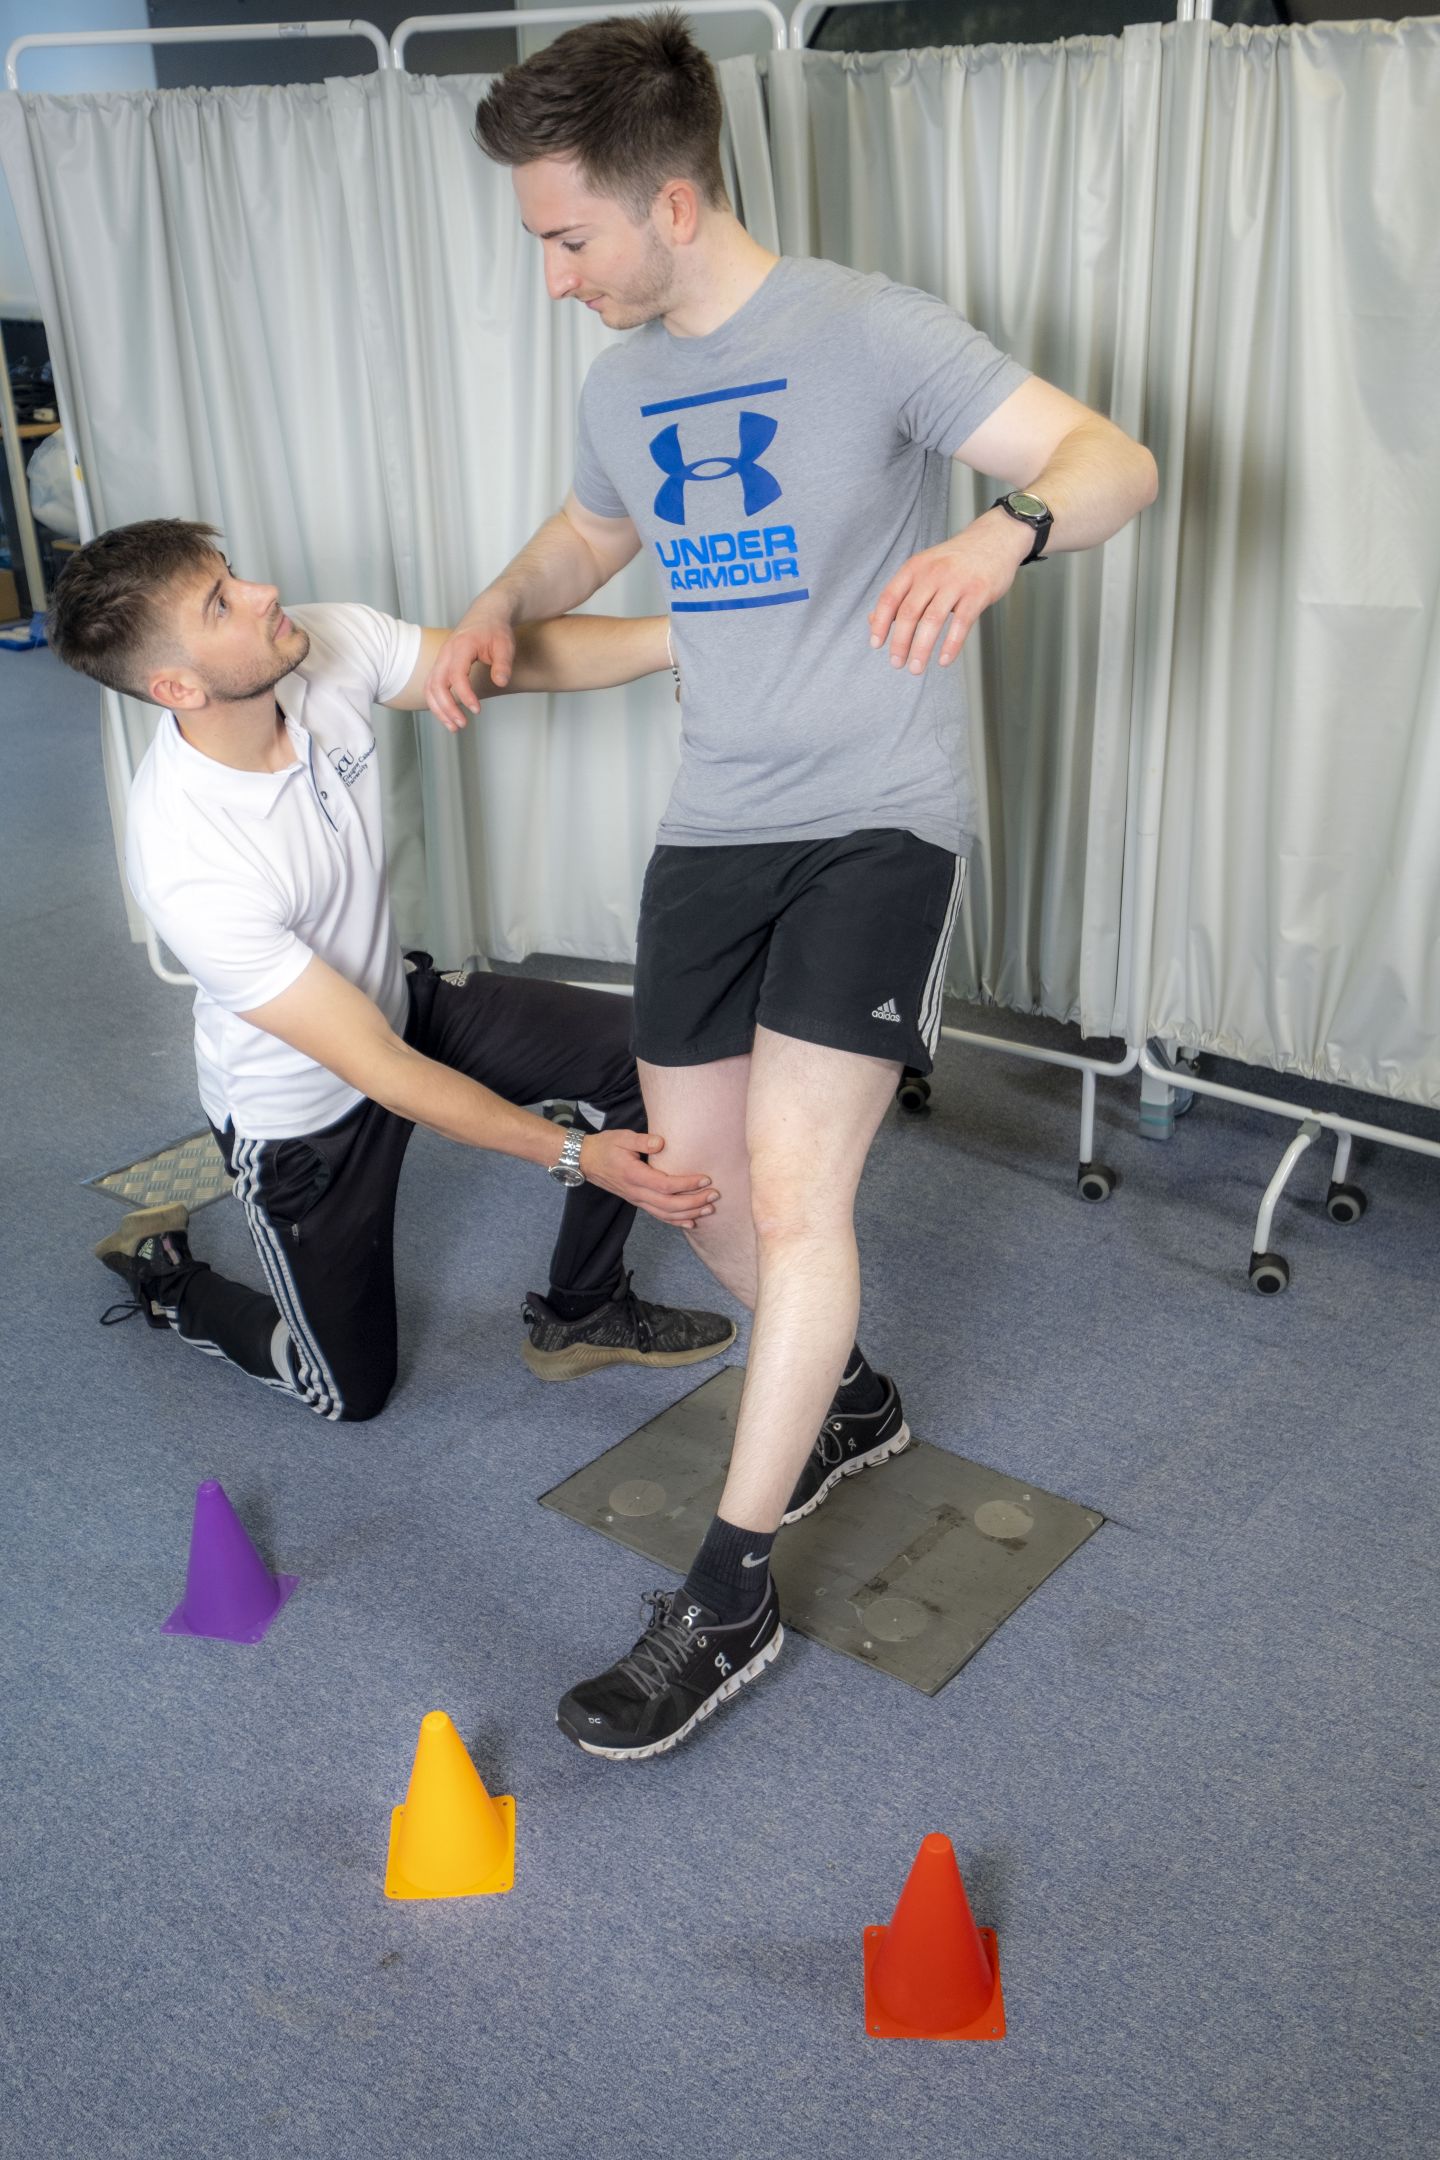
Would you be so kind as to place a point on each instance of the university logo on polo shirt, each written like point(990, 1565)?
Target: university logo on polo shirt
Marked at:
point(753, 565)
point(349, 764)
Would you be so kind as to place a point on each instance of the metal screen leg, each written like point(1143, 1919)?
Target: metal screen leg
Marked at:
point(1268, 1271)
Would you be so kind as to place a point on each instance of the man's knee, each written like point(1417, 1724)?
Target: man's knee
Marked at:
point(359, 1408)
point(348, 1399)
point(790, 1205)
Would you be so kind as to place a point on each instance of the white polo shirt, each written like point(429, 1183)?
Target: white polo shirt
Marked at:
point(246, 875)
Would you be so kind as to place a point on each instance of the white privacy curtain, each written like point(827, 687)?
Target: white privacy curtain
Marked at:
point(310, 315)
point(1298, 909)
point(1227, 240)
point(192, 256)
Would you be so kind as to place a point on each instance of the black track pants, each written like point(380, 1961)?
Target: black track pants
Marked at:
point(322, 1209)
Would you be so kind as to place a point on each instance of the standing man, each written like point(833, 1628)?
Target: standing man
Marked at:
point(254, 845)
point(778, 432)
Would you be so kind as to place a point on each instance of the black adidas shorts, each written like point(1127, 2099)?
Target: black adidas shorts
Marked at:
point(840, 942)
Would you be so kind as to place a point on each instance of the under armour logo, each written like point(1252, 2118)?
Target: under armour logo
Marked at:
point(757, 432)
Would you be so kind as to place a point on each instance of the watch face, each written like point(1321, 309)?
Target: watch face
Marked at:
point(1028, 506)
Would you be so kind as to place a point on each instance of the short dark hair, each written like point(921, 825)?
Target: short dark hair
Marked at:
point(104, 613)
point(632, 99)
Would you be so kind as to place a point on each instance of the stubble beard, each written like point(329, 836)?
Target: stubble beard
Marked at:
point(235, 690)
point(653, 291)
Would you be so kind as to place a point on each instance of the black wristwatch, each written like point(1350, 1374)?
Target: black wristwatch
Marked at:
point(1028, 510)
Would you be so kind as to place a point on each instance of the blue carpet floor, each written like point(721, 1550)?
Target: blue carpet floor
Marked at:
point(1191, 1782)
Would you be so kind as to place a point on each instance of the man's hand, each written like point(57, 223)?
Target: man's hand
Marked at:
point(954, 582)
point(449, 686)
point(614, 1160)
point(558, 569)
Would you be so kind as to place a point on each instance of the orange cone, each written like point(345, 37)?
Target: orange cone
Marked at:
point(932, 1974)
point(450, 1839)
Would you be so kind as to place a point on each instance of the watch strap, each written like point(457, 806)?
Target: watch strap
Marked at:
point(566, 1165)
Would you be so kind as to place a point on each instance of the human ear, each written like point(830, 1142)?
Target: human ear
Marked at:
point(679, 207)
point(180, 693)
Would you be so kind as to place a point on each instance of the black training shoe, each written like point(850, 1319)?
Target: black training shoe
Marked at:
point(625, 1331)
point(147, 1252)
point(849, 1442)
point(683, 1667)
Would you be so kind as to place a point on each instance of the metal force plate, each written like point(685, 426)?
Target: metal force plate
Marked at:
point(910, 1566)
point(192, 1172)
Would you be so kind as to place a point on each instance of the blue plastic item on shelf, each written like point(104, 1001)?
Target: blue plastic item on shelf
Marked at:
point(19, 640)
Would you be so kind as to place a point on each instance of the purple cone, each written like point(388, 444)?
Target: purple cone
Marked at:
point(229, 1591)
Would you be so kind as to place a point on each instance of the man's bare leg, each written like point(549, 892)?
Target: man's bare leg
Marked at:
point(702, 1109)
point(811, 1117)
point(714, 1109)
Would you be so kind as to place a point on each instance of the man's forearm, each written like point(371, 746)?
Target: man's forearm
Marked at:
point(554, 572)
point(584, 652)
point(1096, 480)
point(1093, 480)
point(448, 1102)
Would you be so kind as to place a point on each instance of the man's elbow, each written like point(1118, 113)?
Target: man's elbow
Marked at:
point(1135, 468)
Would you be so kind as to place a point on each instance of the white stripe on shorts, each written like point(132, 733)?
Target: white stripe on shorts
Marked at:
point(932, 1004)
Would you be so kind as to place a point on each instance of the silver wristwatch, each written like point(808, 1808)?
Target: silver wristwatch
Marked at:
point(566, 1169)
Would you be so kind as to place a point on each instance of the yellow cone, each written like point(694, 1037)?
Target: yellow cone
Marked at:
point(450, 1839)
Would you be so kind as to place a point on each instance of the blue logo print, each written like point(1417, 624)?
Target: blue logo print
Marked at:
point(761, 488)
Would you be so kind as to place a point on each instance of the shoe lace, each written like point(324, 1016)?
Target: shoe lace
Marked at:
point(830, 1445)
point(636, 1312)
point(664, 1650)
point(114, 1314)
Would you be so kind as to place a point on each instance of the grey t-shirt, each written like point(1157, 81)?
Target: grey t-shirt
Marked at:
point(781, 469)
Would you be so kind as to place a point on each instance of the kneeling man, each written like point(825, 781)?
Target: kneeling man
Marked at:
point(254, 847)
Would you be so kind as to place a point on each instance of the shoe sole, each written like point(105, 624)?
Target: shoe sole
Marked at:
point(732, 1686)
point(893, 1446)
point(143, 1223)
point(582, 1358)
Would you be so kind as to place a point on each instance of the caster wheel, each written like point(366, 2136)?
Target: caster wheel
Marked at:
point(913, 1094)
point(1345, 1203)
point(1095, 1181)
point(1269, 1273)
point(562, 1113)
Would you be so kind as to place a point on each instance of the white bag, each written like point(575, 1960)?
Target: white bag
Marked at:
point(52, 498)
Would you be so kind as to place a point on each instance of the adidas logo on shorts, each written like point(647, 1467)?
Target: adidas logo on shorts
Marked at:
point(886, 1011)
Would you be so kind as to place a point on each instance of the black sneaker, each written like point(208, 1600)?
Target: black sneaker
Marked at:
point(683, 1667)
point(849, 1442)
point(147, 1252)
point(625, 1331)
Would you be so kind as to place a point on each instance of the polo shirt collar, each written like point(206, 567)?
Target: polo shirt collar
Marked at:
point(290, 696)
point(255, 793)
